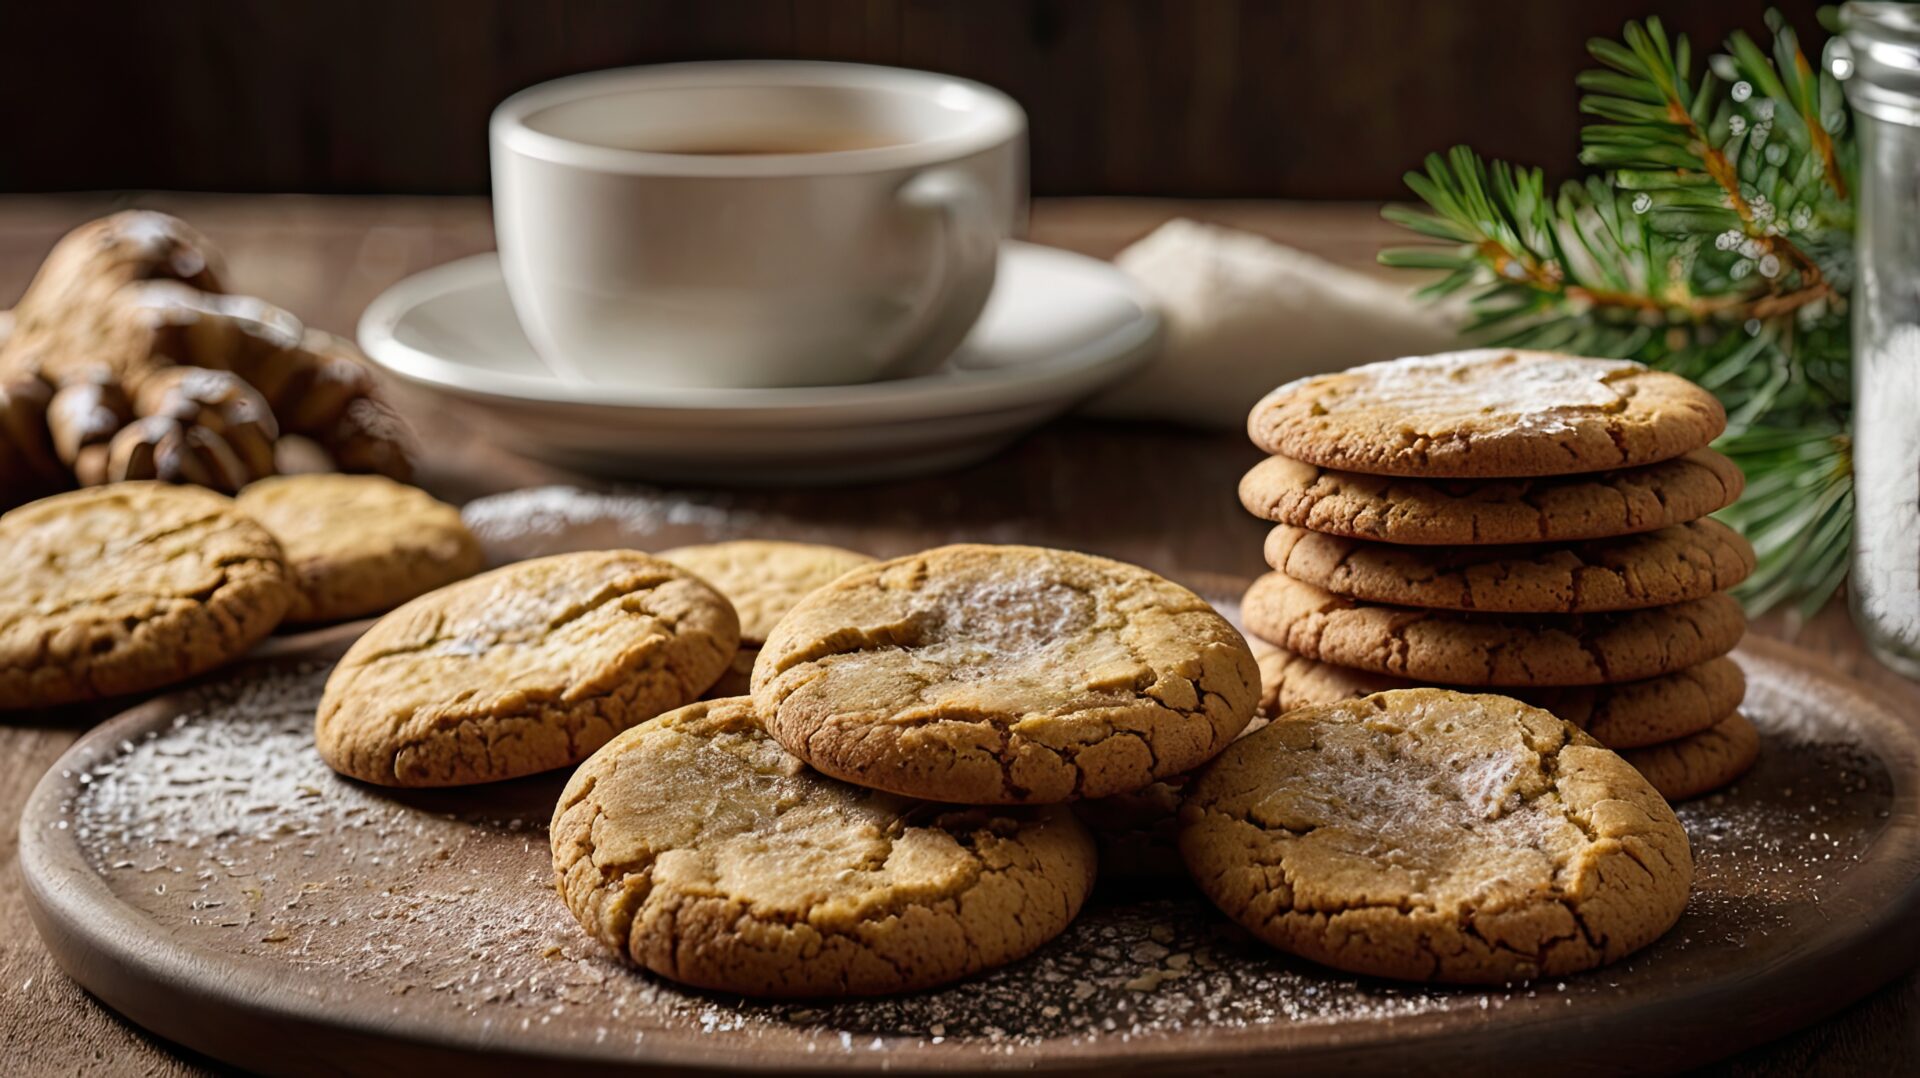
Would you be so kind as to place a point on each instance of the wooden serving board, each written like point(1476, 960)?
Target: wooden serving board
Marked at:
point(194, 865)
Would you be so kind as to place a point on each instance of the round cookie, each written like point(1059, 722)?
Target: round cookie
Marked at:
point(127, 588)
point(763, 578)
point(521, 670)
point(1624, 716)
point(360, 544)
point(1658, 568)
point(1421, 512)
point(697, 847)
point(1701, 763)
point(1450, 648)
point(1430, 835)
point(1487, 413)
point(1004, 675)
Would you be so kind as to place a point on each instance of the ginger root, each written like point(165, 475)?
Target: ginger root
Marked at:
point(127, 359)
point(28, 464)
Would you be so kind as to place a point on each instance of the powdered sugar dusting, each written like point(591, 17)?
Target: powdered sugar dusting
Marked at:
point(225, 829)
point(997, 623)
point(1425, 793)
point(523, 523)
point(1528, 384)
point(538, 521)
point(1533, 392)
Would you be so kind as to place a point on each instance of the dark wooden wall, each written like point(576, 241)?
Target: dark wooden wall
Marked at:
point(1325, 99)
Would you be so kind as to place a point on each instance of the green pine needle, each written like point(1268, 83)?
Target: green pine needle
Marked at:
point(1715, 242)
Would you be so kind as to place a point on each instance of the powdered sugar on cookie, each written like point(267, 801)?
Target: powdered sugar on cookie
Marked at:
point(1487, 413)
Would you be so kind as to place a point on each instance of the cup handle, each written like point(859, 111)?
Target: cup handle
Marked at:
point(966, 254)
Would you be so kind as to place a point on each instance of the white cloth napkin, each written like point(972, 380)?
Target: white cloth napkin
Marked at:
point(1245, 314)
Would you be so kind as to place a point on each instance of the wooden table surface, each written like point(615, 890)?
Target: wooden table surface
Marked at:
point(1157, 496)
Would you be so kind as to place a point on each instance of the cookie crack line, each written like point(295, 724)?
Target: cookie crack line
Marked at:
point(611, 593)
point(1285, 834)
point(1583, 649)
point(1412, 511)
point(846, 642)
point(130, 588)
point(1004, 675)
point(559, 710)
point(226, 565)
point(1660, 568)
point(1486, 414)
point(707, 931)
point(521, 670)
point(1008, 752)
point(1464, 916)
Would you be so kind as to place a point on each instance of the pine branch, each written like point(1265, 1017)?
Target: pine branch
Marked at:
point(1716, 242)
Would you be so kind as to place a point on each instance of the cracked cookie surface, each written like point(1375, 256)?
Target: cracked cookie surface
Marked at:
point(763, 578)
point(1429, 835)
point(1435, 512)
point(1701, 763)
point(1004, 674)
point(697, 847)
point(521, 670)
point(130, 587)
point(360, 544)
point(1629, 715)
point(1672, 565)
point(1452, 648)
point(1487, 413)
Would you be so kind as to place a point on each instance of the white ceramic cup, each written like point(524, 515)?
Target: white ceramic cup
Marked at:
point(753, 223)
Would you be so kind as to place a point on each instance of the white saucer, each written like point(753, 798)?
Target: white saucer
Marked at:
point(1059, 327)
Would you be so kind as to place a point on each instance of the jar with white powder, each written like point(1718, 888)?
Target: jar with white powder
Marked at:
point(1881, 69)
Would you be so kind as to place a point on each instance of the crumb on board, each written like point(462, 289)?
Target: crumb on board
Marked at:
point(227, 829)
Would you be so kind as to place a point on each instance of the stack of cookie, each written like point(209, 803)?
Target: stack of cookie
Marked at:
point(1520, 522)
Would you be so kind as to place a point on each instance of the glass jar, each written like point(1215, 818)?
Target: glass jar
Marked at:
point(1880, 67)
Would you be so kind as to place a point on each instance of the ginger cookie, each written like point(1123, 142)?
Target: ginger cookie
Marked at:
point(1487, 413)
point(1702, 763)
point(1422, 512)
point(1004, 675)
point(763, 578)
point(1429, 835)
point(1658, 568)
point(697, 847)
point(127, 588)
point(521, 670)
point(1629, 715)
point(361, 544)
point(1451, 648)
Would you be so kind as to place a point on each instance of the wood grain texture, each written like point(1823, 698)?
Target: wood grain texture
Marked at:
point(1264, 98)
point(1160, 497)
